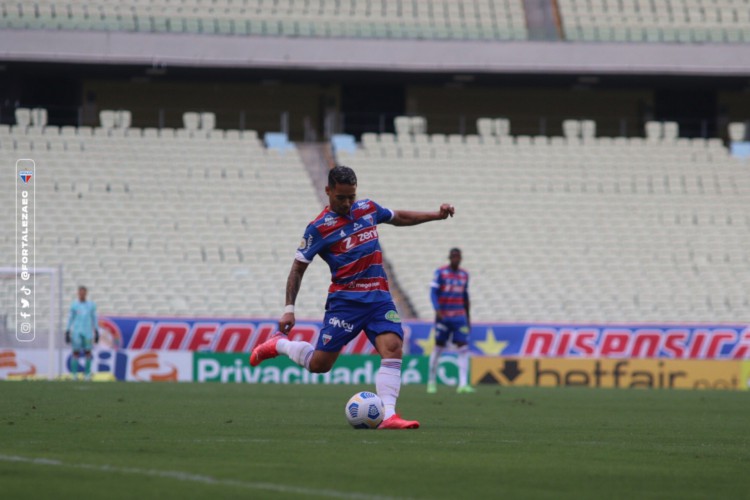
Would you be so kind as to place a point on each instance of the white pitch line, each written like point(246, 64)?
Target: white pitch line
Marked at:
point(198, 478)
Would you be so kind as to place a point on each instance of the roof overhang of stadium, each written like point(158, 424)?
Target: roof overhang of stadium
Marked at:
point(167, 49)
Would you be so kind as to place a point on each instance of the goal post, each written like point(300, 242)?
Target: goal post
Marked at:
point(31, 318)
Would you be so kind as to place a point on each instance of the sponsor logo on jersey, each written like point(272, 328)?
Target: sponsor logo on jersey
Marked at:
point(340, 323)
point(392, 316)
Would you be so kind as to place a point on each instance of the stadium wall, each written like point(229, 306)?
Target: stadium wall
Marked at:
point(248, 105)
point(532, 110)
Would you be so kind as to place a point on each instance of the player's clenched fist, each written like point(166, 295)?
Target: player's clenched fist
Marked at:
point(447, 210)
point(286, 323)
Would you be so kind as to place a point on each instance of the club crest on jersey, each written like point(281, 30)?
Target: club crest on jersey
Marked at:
point(368, 218)
point(326, 338)
point(25, 175)
point(306, 244)
point(392, 316)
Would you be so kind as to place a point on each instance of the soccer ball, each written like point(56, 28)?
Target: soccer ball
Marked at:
point(364, 410)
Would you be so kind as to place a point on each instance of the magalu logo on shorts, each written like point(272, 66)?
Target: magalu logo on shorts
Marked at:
point(25, 175)
point(392, 316)
point(326, 338)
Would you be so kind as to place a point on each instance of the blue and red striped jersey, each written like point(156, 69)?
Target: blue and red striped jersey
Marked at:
point(450, 289)
point(350, 247)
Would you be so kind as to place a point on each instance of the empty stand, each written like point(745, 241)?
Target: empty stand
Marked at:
point(571, 228)
point(578, 228)
point(681, 21)
point(167, 222)
point(433, 19)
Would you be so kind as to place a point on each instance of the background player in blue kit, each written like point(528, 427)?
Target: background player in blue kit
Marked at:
point(450, 298)
point(345, 236)
point(83, 323)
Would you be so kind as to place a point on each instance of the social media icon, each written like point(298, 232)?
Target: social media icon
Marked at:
point(26, 290)
point(25, 315)
point(24, 303)
point(25, 327)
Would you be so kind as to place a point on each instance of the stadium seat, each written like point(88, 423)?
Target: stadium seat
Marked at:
point(208, 121)
point(737, 131)
point(191, 121)
point(107, 119)
point(343, 143)
point(277, 141)
point(23, 117)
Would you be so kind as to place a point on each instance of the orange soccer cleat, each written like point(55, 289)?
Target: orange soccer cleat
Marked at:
point(266, 350)
point(396, 422)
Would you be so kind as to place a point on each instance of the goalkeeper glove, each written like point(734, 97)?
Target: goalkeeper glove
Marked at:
point(96, 336)
point(67, 336)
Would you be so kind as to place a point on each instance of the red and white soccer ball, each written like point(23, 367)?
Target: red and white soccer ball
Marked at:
point(364, 410)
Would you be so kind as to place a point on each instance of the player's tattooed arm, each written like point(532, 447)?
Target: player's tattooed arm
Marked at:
point(293, 284)
point(411, 218)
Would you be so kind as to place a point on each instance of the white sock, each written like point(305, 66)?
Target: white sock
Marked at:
point(463, 365)
point(298, 351)
point(388, 384)
point(434, 359)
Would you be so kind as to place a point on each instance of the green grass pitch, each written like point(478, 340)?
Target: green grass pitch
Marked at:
point(127, 440)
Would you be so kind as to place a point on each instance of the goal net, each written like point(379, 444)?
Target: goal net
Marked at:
point(31, 342)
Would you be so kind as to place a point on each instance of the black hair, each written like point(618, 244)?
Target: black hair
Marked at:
point(455, 249)
point(341, 175)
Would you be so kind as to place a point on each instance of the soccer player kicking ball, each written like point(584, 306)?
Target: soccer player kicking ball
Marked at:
point(345, 235)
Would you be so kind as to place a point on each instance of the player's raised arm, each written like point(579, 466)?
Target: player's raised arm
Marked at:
point(293, 283)
point(411, 218)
